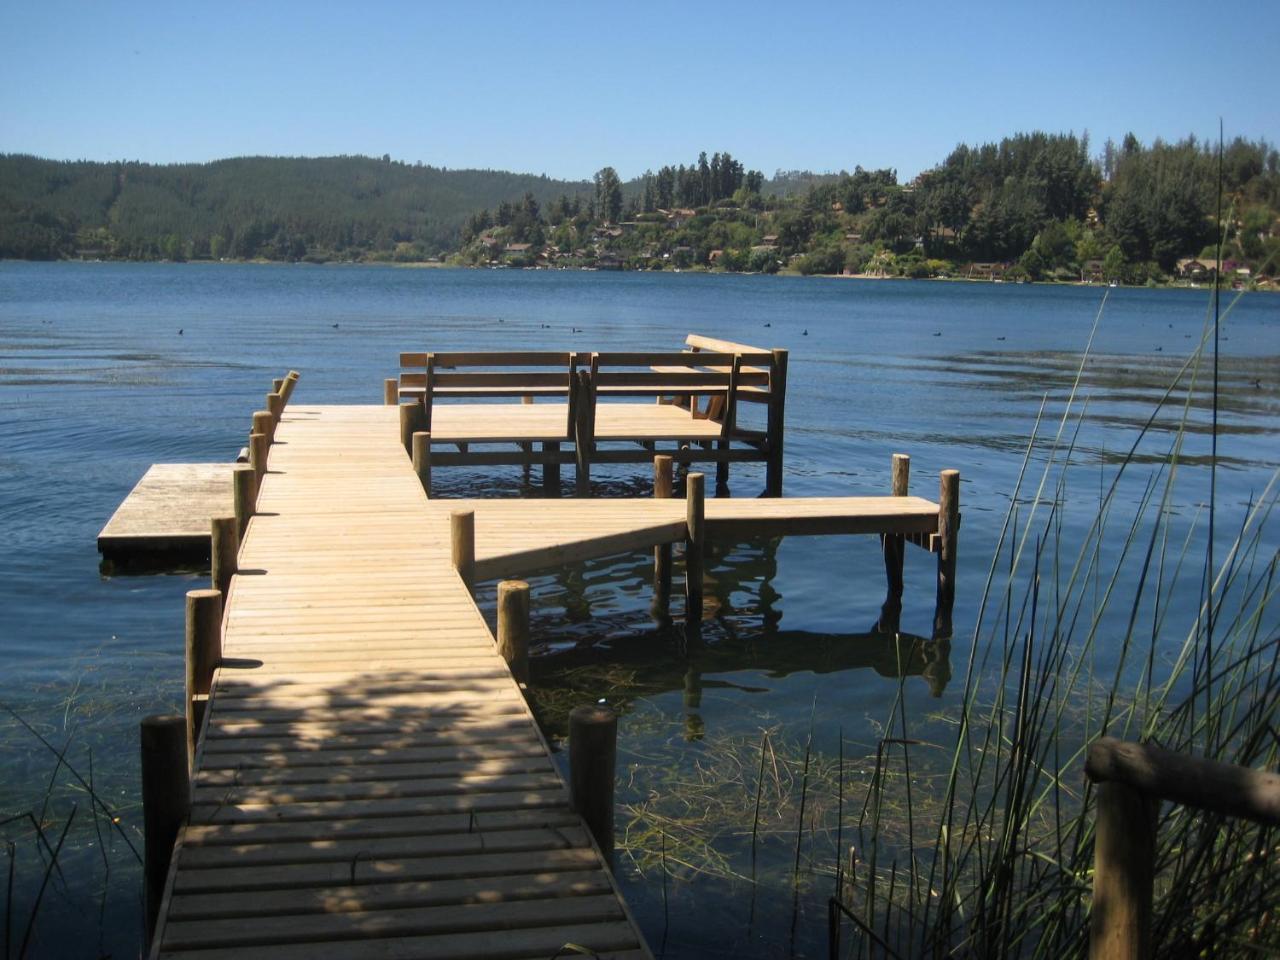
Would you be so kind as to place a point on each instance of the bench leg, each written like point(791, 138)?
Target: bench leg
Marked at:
point(722, 471)
point(551, 471)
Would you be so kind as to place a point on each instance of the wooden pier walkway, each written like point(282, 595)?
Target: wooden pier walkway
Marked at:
point(370, 781)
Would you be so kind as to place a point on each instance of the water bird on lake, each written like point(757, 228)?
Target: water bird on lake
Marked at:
point(938, 333)
point(805, 334)
point(768, 324)
point(998, 338)
point(179, 331)
point(335, 326)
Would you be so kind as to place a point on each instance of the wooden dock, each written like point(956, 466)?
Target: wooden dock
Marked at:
point(168, 511)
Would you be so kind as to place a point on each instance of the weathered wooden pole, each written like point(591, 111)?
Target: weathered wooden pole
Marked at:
point(277, 386)
point(275, 407)
point(895, 544)
point(1123, 873)
point(264, 424)
point(290, 381)
point(948, 532)
point(774, 428)
point(593, 752)
point(583, 432)
point(244, 495)
point(258, 447)
point(694, 547)
point(203, 653)
point(462, 536)
point(224, 539)
point(422, 458)
point(551, 468)
point(412, 420)
point(513, 627)
point(390, 391)
point(166, 802)
point(662, 487)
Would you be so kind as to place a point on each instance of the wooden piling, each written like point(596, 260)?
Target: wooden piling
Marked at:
point(390, 391)
point(258, 447)
point(895, 545)
point(948, 532)
point(694, 547)
point(513, 627)
point(166, 802)
point(551, 469)
point(1123, 873)
point(584, 432)
point(775, 424)
point(462, 536)
point(275, 407)
point(203, 653)
point(244, 493)
point(422, 459)
point(662, 486)
point(593, 751)
point(290, 381)
point(224, 538)
point(277, 386)
point(413, 419)
point(264, 424)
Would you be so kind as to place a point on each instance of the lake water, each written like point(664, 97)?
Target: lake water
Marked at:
point(107, 368)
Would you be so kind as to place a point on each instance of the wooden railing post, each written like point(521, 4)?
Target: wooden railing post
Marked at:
point(390, 391)
point(462, 536)
point(948, 533)
point(662, 489)
point(1123, 874)
point(166, 802)
point(203, 653)
point(895, 544)
point(593, 752)
point(244, 494)
point(774, 429)
point(694, 551)
point(224, 540)
point(513, 627)
point(422, 459)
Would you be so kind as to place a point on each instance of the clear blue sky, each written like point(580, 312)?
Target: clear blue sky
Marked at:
point(565, 89)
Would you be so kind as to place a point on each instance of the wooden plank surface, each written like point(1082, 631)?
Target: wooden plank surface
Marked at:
point(170, 509)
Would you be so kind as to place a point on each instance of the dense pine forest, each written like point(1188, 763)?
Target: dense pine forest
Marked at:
point(1034, 206)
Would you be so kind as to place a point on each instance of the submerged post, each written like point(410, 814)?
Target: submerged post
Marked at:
point(593, 751)
point(694, 547)
point(422, 459)
point(224, 539)
point(166, 801)
point(462, 536)
point(390, 391)
point(895, 544)
point(662, 476)
point(244, 493)
point(203, 653)
point(774, 425)
point(948, 531)
point(513, 627)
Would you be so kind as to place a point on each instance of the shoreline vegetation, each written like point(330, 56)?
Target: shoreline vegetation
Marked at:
point(1034, 207)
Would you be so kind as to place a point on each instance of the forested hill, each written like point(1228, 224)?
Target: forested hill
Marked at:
point(280, 208)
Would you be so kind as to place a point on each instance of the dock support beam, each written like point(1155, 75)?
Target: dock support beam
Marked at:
point(662, 487)
point(895, 545)
point(513, 627)
point(593, 753)
point(422, 459)
point(694, 548)
point(224, 538)
point(390, 391)
point(774, 429)
point(203, 654)
point(166, 802)
point(244, 494)
point(462, 536)
point(948, 533)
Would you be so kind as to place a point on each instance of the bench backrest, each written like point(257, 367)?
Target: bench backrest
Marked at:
point(487, 373)
point(677, 374)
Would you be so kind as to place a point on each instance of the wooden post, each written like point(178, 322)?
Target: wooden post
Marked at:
point(948, 530)
point(277, 386)
point(412, 420)
point(462, 535)
point(390, 391)
point(244, 489)
point(550, 470)
point(275, 407)
point(662, 477)
point(895, 545)
point(422, 458)
point(583, 433)
point(1123, 873)
point(166, 802)
point(203, 653)
point(593, 751)
point(722, 469)
point(290, 381)
point(513, 627)
point(694, 546)
point(224, 537)
point(264, 424)
point(258, 446)
point(774, 429)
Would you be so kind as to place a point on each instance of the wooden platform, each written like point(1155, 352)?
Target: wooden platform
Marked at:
point(168, 511)
point(370, 781)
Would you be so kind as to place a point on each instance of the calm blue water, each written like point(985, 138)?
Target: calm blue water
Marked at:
point(107, 368)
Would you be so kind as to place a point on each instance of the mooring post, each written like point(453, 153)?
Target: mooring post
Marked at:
point(275, 407)
point(264, 424)
point(551, 468)
point(593, 752)
point(258, 446)
point(166, 802)
point(895, 544)
point(422, 459)
point(290, 381)
point(277, 386)
point(948, 532)
point(662, 487)
point(203, 653)
point(412, 420)
point(1123, 873)
point(390, 391)
point(462, 535)
point(774, 428)
point(224, 539)
point(694, 547)
point(244, 495)
point(513, 627)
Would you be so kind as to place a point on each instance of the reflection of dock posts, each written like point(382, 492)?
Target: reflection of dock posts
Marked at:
point(166, 802)
point(462, 537)
point(894, 546)
point(203, 654)
point(412, 420)
point(948, 532)
point(694, 545)
point(661, 610)
point(774, 429)
point(513, 627)
point(244, 495)
point(224, 551)
point(390, 391)
point(551, 468)
point(593, 753)
point(422, 459)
